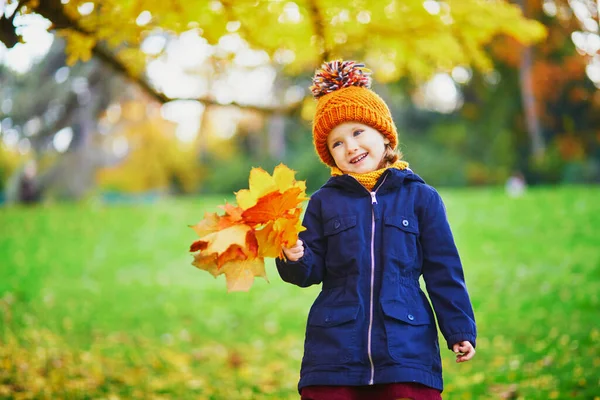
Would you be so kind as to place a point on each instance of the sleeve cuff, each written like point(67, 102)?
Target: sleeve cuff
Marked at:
point(459, 337)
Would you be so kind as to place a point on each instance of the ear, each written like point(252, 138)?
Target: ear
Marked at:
point(386, 141)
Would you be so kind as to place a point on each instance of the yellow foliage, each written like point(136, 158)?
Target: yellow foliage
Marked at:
point(79, 46)
point(403, 38)
point(155, 160)
point(9, 162)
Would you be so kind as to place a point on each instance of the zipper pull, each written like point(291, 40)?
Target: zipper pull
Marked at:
point(373, 198)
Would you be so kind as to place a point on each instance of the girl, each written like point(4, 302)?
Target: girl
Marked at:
point(372, 230)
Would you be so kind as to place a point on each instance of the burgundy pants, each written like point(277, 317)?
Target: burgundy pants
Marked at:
point(392, 391)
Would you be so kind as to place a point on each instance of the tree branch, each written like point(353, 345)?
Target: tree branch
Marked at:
point(319, 28)
point(53, 11)
point(8, 34)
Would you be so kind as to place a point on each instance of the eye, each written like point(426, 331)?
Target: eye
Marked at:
point(357, 132)
point(336, 144)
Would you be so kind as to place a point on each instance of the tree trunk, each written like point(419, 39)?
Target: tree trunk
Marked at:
point(276, 136)
point(528, 99)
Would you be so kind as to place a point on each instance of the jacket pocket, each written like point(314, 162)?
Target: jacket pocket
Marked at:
point(342, 240)
point(338, 224)
point(331, 335)
point(411, 333)
point(401, 235)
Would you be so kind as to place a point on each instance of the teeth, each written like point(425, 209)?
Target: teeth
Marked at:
point(358, 159)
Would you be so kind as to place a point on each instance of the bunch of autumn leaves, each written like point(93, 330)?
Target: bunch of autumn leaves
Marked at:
point(265, 219)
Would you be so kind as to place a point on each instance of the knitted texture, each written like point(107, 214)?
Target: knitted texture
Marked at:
point(369, 179)
point(350, 104)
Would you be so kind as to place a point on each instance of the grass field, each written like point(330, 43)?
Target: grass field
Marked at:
point(102, 302)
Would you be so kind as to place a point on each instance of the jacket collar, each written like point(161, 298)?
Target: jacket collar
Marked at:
point(392, 178)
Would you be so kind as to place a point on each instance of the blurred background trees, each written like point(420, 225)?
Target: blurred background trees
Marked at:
point(160, 97)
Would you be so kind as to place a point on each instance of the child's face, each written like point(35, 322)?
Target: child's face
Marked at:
point(356, 147)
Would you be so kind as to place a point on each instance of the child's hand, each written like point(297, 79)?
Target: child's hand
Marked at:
point(464, 351)
point(294, 253)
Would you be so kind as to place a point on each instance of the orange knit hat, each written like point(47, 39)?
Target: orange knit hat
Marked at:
point(342, 90)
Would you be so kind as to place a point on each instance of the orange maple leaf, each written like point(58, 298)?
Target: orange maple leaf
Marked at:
point(251, 244)
point(233, 215)
point(198, 245)
point(213, 263)
point(275, 235)
point(267, 243)
point(208, 225)
point(233, 253)
point(239, 268)
point(239, 253)
point(273, 206)
point(207, 263)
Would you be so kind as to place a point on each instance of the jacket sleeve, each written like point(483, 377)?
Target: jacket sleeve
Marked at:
point(443, 275)
point(310, 269)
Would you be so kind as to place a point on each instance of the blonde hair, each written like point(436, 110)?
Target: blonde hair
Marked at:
point(390, 156)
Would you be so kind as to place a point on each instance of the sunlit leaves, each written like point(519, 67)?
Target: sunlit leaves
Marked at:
point(266, 219)
point(128, 365)
point(403, 38)
point(79, 46)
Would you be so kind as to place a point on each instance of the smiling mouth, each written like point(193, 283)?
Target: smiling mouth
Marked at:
point(359, 158)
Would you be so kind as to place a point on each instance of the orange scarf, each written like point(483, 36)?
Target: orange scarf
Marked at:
point(369, 179)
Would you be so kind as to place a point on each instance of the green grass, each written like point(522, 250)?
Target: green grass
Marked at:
point(102, 302)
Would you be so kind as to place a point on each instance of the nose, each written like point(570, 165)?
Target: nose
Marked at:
point(352, 146)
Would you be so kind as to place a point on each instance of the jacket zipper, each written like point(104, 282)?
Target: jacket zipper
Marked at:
point(369, 339)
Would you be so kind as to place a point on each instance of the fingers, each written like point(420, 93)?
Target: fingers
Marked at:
point(294, 253)
point(455, 347)
point(464, 351)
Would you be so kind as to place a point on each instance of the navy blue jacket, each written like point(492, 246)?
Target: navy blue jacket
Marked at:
point(371, 323)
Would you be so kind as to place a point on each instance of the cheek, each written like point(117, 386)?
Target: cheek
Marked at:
point(378, 145)
point(337, 153)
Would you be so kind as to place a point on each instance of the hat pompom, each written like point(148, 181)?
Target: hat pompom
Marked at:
point(335, 75)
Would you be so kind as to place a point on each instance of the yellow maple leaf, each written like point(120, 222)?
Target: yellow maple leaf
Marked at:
point(240, 274)
point(288, 229)
point(283, 177)
point(218, 242)
point(267, 243)
point(262, 183)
